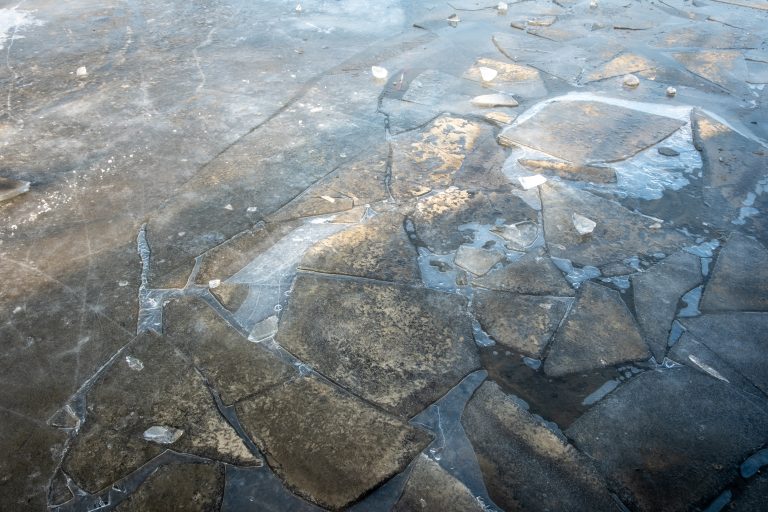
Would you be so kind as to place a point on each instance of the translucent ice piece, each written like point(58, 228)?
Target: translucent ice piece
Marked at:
point(528, 182)
point(476, 260)
point(487, 74)
point(493, 100)
point(583, 225)
point(520, 236)
point(163, 435)
point(379, 72)
point(134, 363)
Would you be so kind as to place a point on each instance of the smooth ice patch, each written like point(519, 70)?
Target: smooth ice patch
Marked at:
point(647, 174)
point(12, 21)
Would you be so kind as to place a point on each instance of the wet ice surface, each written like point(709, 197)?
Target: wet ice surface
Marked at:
point(646, 174)
point(451, 449)
point(111, 184)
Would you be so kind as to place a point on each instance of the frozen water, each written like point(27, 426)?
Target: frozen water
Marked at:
point(692, 300)
point(705, 249)
point(521, 236)
point(575, 275)
point(754, 463)
point(379, 72)
point(134, 363)
point(162, 434)
point(528, 182)
point(264, 329)
point(583, 225)
point(494, 100)
point(600, 392)
point(481, 337)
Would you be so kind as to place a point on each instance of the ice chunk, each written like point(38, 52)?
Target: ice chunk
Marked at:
point(671, 91)
point(263, 330)
point(502, 7)
point(706, 368)
point(162, 434)
point(214, 283)
point(665, 151)
point(11, 188)
point(752, 465)
point(379, 72)
point(487, 74)
point(476, 260)
point(493, 100)
point(600, 392)
point(630, 80)
point(583, 225)
point(520, 236)
point(81, 71)
point(528, 182)
point(134, 363)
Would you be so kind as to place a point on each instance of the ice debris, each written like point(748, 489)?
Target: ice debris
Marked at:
point(487, 74)
point(583, 225)
point(528, 182)
point(379, 72)
point(630, 81)
point(134, 363)
point(493, 100)
point(520, 236)
point(11, 188)
point(476, 260)
point(162, 434)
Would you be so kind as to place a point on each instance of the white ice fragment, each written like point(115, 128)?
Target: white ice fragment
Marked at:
point(122, 283)
point(228, 207)
point(328, 198)
point(251, 209)
point(163, 435)
point(671, 91)
point(134, 363)
point(520, 236)
point(528, 182)
point(379, 72)
point(263, 330)
point(630, 80)
point(503, 7)
point(583, 225)
point(487, 74)
point(476, 260)
point(600, 392)
point(453, 19)
point(706, 368)
point(593, 4)
point(214, 283)
point(532, 363)
point(494, 100)
point(81, 71)
point(298, 8)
